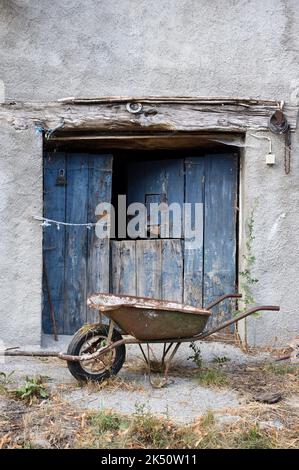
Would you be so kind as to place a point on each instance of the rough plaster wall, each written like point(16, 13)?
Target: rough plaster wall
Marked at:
point(20, 237)
point(52, 49)
point(276, 243)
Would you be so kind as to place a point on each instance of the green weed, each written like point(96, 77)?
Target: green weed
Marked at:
point(33, 388)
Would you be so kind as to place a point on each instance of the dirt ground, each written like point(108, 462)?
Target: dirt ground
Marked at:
point(211, 401)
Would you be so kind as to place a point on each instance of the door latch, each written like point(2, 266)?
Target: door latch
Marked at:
point(61, 179)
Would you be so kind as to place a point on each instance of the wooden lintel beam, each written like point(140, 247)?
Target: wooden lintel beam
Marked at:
point(156, 115)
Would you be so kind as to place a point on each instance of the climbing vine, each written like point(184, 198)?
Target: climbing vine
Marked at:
point(249, 261)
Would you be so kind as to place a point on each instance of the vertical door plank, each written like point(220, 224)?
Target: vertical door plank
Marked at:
point(172, 270)
point(173, 181)
point(76, 242)
point(99, 190)
point(193, 254)
point(148, 268)
point(123, 267)
point(53, 242)
point(115, 266)
point(220, 230)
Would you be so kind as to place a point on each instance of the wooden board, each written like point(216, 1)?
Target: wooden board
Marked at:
point(53, 242)
point(193, 253)
point(172, 270)
point(123, 267)
point(160, 115)
point(98, 250)
point(148, 268)
point(220, 231)
point(76, 243)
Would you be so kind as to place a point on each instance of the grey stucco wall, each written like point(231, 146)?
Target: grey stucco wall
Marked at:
point(274, 197)
point(20, 238)
point(54, 49)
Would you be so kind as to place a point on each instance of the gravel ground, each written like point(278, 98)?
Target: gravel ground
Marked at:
point(182, 400)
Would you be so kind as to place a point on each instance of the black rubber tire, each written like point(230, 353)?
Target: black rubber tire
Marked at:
point(76, 344)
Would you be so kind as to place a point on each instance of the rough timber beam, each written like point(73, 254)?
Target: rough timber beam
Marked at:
point(177, 114)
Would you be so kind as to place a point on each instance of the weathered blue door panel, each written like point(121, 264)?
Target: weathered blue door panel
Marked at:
point(53, 240)
point(172, 268)
point(220, 229)
point(193, 249)
point(98, 252)
point(73, 256)
point(164, 177)
point(76, 242)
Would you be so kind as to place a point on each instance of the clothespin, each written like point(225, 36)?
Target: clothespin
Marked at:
point(45, 223)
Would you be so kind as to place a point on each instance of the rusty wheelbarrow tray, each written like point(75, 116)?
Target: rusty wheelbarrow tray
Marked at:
point(151, 319)
point(146, 321)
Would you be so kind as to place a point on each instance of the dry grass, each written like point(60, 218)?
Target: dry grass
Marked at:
point(113, 384)
point(143, 430)
point(286, 435)
point(50, 424)
point(56, 424)
point(247, 379)
point(251, 380)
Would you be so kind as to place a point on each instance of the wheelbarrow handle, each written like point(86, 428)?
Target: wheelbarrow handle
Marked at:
point(223, 297)
point(239, 317)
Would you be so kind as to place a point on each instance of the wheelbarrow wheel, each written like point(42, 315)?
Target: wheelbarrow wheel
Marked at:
point(90, 341)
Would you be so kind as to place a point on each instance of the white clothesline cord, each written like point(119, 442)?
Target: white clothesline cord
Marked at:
point(48, 222)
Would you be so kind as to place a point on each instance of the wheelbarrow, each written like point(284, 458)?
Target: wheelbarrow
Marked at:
point(98, 351)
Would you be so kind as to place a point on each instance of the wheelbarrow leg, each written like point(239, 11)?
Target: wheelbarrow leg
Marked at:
point(174, 351)
point(167, 363)
point(110, 331)
point(143, 353)
point(165, 351)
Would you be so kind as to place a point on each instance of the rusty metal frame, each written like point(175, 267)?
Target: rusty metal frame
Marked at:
point(220, 299)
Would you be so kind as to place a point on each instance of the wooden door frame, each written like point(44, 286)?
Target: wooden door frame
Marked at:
point(149, 123)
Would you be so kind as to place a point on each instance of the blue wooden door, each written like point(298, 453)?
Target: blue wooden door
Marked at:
point(175, 269)
point(75, 260)
point(220, 232)
point(78, 263)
